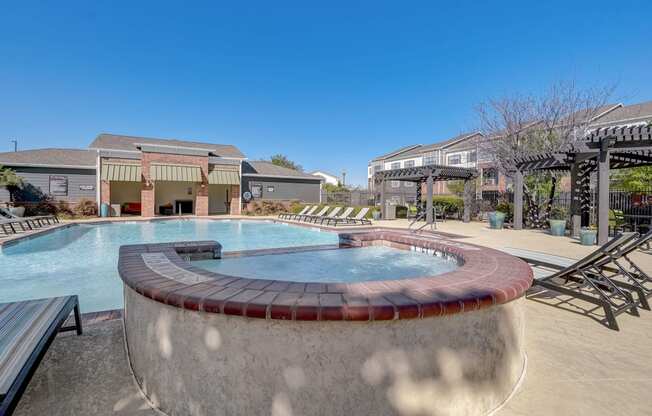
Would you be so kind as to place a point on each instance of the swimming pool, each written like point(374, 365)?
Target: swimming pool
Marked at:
point(82, 259)
point(330, 266)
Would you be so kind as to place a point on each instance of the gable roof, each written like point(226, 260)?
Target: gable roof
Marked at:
point(50, 157)
point(265, 168)
point(129, 143)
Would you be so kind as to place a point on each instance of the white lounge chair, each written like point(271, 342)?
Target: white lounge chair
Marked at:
point(340, 218)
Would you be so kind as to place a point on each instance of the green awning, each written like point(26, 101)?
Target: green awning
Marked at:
point(223, 177)
point(175, 173)
point(120, 172)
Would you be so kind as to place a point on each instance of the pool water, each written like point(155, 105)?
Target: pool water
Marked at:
point(330, 266)
point(83, 259)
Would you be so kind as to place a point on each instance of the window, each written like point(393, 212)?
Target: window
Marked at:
point(473, 156)
point(395, 165)
point(396, 184)
point(409, 164)
point(377, 168)
point(454, 159)
point(489, 176)
point(429, 160)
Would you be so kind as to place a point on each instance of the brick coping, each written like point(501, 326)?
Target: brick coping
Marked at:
point(485, 277)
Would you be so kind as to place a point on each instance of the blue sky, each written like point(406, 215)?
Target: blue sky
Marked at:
point(329, 85)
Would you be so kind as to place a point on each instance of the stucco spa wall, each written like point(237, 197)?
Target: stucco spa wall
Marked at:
point(197, 363)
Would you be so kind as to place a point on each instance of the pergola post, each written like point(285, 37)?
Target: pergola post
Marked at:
point(469, 194)
point(382, 198)
point(518, 200)
point(576, 206)
point(418, 199)
point(603, 192)
point(429, 213)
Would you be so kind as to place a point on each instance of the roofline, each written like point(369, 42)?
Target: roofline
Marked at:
point(260, 175)
point(460, 139)
point(48, 165)
point(607, 111)
point(168, 146)
point(621, 121)
point(396, 152)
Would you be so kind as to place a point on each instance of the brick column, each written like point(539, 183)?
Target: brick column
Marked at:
point(105, 192)
point(147, 200)
point(235, 200)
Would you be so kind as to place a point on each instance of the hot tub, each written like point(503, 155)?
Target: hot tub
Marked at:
point(201, 342)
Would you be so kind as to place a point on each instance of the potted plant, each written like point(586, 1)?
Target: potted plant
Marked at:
point(588, 235)
point(558, 221)
point(497, 217)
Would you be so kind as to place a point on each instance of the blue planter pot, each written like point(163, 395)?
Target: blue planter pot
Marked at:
point(557, 227)
point(104, 210)
point(496, 220)
point(587, 237)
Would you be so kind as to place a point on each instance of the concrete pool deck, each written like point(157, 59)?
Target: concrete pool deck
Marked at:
point(575, 365)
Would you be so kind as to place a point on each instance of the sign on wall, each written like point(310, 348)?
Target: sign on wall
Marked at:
point(86, 187)
point(257, 191)
point(58, 185)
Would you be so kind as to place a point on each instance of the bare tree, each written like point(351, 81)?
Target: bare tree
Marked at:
point(517, 126)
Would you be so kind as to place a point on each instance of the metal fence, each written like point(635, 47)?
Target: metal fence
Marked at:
point(353, 198)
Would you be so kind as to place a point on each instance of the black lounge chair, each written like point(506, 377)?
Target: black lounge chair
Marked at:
point(588, 275)
point(26, 331)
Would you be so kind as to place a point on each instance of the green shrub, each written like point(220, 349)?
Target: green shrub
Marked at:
point(507, 208)
point(448, 204)
point(86, 208)
point(558, 213)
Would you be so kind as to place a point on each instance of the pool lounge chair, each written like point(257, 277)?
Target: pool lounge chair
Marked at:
point(311, 217)
point(36, 221)
point(26, 331)
point(289, 215)
point(581, 278)
point(297, 217)
point(328, 216)
point(359, 219)
point(9, 226)
point(334, 220)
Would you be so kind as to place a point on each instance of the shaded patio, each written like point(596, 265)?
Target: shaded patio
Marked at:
point(425, 176)
point(602, 149)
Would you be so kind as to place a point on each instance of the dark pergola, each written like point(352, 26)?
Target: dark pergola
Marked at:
point(602, 149)
point(429, 174)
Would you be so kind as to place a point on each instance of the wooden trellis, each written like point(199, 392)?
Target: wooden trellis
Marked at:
point(602, 149)
point(428, 174)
